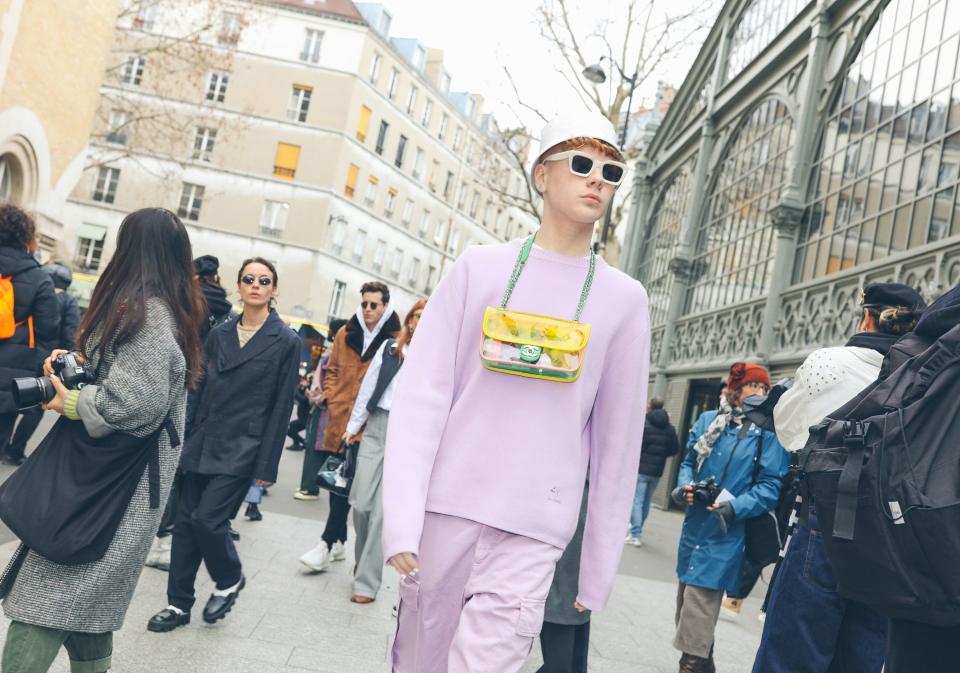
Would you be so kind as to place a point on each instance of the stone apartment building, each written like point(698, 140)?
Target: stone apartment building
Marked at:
point(299, 131)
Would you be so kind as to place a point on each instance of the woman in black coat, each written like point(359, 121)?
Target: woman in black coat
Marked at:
point(35, 311)
point(236, 423)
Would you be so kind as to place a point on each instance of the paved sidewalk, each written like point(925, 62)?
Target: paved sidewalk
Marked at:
point(287, 621)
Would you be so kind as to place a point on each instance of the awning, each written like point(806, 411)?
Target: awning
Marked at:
point(93, 232)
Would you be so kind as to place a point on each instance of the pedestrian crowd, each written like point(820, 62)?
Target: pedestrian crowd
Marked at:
point(174, 406)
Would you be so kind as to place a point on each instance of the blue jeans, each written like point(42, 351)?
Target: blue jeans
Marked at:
point(810, 628)
point(254, 494)
point(641, 503)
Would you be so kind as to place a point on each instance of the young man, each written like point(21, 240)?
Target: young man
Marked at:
point(351, 354)
point(659, 443)
point(484, 470)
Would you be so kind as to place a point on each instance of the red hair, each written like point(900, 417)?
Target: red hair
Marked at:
point(405, 334)
point(584, 142)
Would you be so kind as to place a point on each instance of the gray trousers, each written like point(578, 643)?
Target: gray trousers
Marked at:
point(697, 612)
point(366, 497)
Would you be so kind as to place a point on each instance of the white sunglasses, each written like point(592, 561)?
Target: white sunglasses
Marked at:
point(581, 164)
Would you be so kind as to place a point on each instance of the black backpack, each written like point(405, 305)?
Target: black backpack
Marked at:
point(884, 474)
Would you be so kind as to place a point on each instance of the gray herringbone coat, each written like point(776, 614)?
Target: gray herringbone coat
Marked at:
point(136, 388)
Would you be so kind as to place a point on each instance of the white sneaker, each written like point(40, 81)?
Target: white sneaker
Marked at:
point(317, 559)
point(633, 541)
point(338, 552)
point(159, 556)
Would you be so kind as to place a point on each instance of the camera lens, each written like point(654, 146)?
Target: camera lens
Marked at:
point(31, 391)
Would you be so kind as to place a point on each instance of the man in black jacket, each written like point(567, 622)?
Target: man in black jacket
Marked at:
point(35, 313)
point(69, 311)
point(659, 443)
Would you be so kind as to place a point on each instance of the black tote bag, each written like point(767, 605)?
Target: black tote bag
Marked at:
point(66, 501)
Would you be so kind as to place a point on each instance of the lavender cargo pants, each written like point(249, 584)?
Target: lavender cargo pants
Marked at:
point(476, 604)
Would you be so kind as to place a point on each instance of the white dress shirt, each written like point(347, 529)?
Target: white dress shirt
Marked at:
point(360, 414)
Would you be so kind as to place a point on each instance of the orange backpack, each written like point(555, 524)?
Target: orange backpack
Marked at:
point(8, 323)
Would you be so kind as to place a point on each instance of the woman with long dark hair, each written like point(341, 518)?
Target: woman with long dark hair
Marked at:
point(140, 340)
point(372, 411)
point(235, 430)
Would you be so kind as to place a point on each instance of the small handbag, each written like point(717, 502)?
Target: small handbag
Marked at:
point(336, 473)
point(535, 346)
point(763, 536)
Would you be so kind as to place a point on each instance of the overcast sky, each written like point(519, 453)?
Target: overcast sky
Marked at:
point(481, 38)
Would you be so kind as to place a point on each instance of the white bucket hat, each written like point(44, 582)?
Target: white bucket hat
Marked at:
point(574, 125)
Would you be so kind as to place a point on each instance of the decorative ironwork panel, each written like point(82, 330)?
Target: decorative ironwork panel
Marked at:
point(719, 338)
point(759, 24)
point(888, 175)
point(660, 244)
point(656, 341)
point(734, 258)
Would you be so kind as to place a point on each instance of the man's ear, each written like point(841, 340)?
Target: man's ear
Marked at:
point(540, 177)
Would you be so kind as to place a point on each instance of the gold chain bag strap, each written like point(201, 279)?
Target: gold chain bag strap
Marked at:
point(535, 346)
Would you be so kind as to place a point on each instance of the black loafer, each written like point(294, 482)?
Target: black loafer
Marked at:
point(234, 535)
point(218, 606)
point(167, 620)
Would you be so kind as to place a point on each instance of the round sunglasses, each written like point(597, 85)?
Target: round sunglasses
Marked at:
point(582, 165)
point(264, 281)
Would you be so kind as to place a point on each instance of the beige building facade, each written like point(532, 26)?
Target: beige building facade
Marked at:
point(48, 100)
point(300, 132)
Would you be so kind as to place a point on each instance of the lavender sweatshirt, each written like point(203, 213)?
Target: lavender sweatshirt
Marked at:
point(512, 452)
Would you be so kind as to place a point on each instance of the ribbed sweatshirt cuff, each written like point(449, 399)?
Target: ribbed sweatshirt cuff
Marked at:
point(70, 405)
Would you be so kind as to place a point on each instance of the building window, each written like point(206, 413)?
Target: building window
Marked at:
point(339, 235)
point(191, 200)
point(432, 180)
point(427, 113)
point(133, 70)
point(203, 143)
point(217, 86)
point(487, 209)
point(509, 228)
point(462, 197)
point(382, 136)
point(445, 82)
point(311, 46)
point(411, 100)
point(431, 274)
point(375, 68)
point(407, 213)
point(89, 247)
point(394, 83)
point(418, 164)
point(363, 124)
point(475, 204)
point(286, 160)
point(444, 123)
point(230, 27)
point(117, 127)
point(439, 234)
point(379, 254)
point(273, 218)
point(336, 298)
point(359, 245)
point(401, 148)
point(425, 224)
point(759, 24)
point(106, 187)
point(299, 103)
point(662, 236)
point(146, 17)
point(457, 139)
point(448, 185)
point(351, 185)
point(453, 244)
point(397, 263)
point(734, 258)
point(414, 271)
point(419, 58)
point(888, 171)
point(371, 196)
point(391, 203)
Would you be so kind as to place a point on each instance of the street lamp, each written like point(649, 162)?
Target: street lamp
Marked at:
point(596, 74)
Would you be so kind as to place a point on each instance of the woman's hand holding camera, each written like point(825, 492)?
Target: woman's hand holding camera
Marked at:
point(48, 363)
point(56, 404)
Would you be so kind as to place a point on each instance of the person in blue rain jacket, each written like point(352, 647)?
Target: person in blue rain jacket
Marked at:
point(722, 445)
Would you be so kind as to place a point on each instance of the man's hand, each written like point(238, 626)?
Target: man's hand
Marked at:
point(579, 607)
point(405, 563)
point(347, 438)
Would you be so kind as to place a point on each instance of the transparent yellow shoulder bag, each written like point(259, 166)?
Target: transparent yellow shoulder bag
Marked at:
point(531, 345)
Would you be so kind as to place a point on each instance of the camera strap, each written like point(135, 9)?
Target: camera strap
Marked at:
point(744, 429)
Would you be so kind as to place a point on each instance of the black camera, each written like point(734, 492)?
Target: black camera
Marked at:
point(705, 492)
point(31, 391)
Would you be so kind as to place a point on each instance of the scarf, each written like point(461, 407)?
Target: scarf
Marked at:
point(727, 415)
point(877, 341)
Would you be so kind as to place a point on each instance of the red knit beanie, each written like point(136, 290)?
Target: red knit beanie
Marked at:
point(742, 373)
